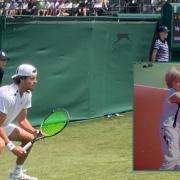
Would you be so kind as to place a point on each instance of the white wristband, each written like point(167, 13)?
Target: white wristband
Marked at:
point(37, 131)
point(10, 146)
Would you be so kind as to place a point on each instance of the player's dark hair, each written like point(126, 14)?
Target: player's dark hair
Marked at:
point(17, 79)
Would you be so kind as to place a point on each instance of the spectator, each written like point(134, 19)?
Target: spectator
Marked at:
point(40, 7)
point(83, 9)
point(31, 8)
point(13, 7)
point(133, 6)
point(24, 6)
point(60, 9)
point(161, 50)
point(3, 59)
point(98, 7)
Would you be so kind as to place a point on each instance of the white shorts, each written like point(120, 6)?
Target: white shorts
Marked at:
point(10, 128)
point(170, 141)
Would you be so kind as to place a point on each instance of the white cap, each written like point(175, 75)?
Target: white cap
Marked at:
point(25, 70)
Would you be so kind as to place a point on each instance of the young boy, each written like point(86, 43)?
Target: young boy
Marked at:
point(170, 121)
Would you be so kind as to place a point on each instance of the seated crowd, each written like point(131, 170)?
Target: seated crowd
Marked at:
point(77, 7)
point(53, 7)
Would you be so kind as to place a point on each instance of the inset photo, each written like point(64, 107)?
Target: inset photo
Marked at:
point(156, 117)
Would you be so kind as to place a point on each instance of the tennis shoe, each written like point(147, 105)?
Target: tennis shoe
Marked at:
point(21, 176)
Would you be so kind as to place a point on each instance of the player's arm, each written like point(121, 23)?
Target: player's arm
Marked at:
point(25, 124)
point(154, 54)
point(175, 98)
point(2, 132)
point(16, 150)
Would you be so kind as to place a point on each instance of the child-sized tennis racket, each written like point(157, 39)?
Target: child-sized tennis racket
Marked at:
point(53, 124)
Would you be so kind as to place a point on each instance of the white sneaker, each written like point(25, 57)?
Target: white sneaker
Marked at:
point(21, 176)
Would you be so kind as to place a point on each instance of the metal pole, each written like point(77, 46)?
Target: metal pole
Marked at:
point(119, 5)
point(4, 11)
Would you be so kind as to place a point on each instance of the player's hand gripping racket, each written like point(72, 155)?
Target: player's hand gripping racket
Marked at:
point(51, 125)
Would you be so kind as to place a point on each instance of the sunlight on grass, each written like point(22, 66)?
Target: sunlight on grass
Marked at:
point(99, 149)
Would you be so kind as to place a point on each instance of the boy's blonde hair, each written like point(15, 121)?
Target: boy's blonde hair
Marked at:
point(172, 75)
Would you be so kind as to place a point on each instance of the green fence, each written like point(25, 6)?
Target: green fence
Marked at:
point(85, 65)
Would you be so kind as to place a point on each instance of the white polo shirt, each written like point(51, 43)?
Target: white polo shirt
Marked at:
point(169, 110)
point(163, 50)
point(11, 103)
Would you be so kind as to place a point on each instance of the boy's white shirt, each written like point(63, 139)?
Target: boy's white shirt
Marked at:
point(169, 110)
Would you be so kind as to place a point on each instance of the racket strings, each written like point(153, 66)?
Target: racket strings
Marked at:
point(51, 129)
point(54, 123)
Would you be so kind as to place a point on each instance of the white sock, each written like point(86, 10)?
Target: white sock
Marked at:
point(17, 169)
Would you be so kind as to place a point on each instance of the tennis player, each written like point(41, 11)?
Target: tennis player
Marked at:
point(15, 99)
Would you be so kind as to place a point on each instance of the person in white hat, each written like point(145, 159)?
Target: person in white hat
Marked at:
point(15, 99)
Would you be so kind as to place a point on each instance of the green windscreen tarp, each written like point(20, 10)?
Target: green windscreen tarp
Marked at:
point(83, 66)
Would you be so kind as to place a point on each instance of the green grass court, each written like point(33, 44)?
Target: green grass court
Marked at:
point(99, 149)
point(153, 76)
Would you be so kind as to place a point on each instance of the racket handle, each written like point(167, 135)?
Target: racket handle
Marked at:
point(27, 146)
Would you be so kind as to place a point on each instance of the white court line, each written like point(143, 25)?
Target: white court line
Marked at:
point(152, 87)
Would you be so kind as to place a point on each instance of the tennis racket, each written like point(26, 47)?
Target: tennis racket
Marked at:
point(53, 124)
